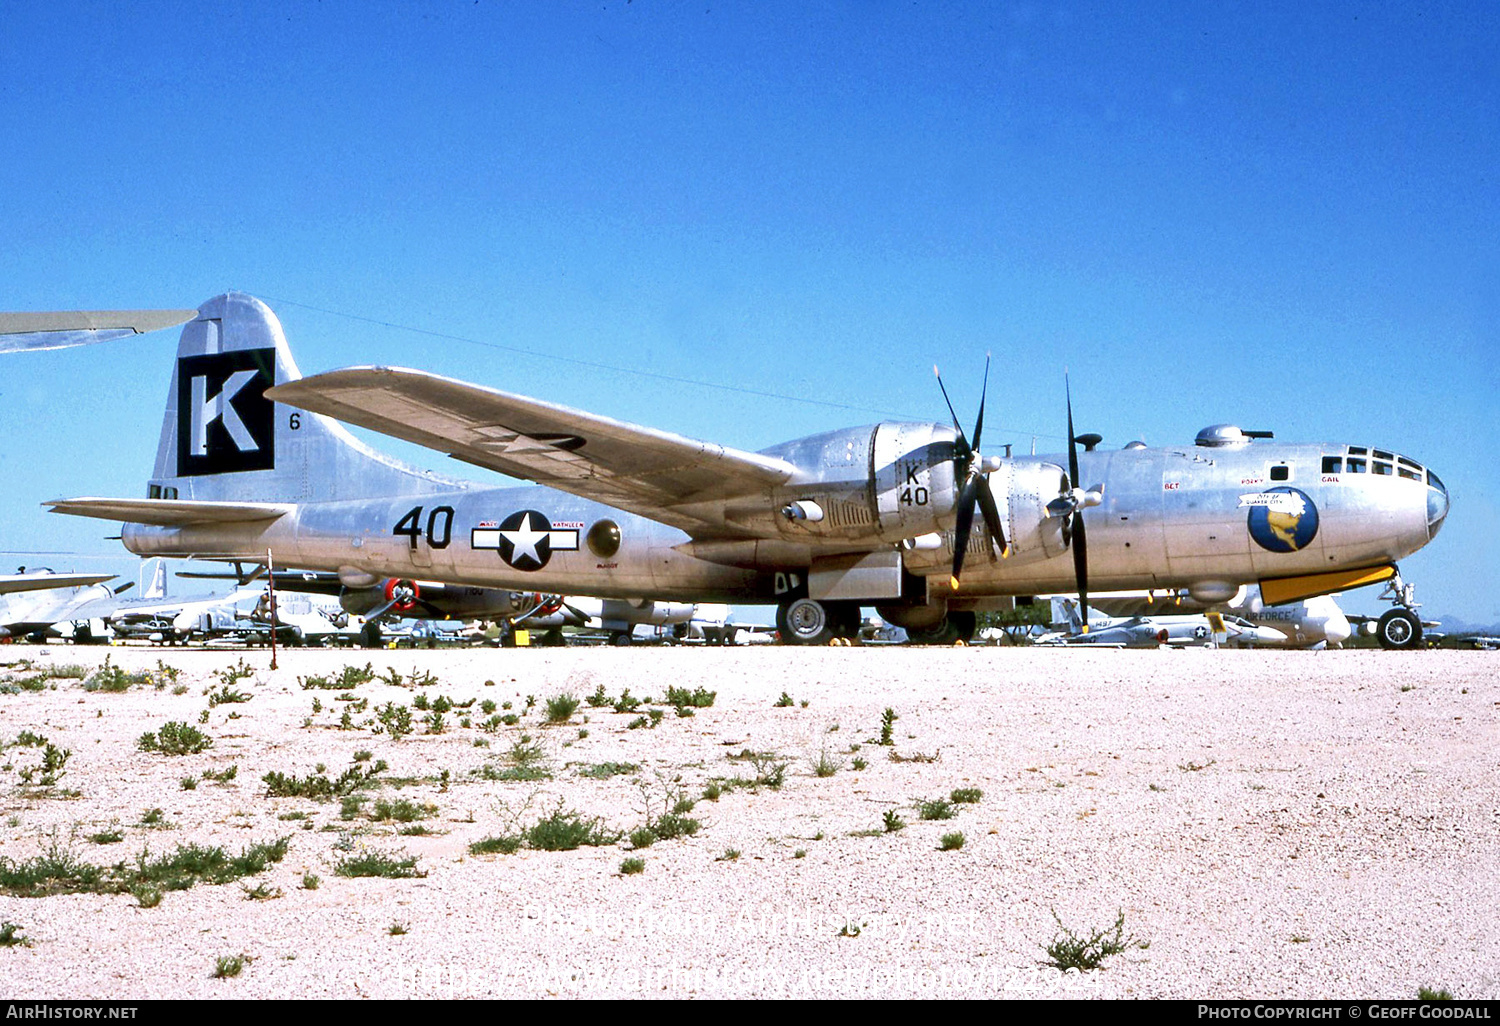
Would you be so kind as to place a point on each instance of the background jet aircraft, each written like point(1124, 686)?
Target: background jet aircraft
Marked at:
point(1153, 631)
point(1316, 622)
point(912, 518)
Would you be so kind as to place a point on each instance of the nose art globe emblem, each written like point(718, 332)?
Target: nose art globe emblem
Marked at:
point(1281, 519)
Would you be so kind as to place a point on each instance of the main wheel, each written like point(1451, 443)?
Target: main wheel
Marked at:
point(804, 621)
point(369, 635)
point(944, 632)
point(1399, 628)
point(966, 623)
point(843, 620)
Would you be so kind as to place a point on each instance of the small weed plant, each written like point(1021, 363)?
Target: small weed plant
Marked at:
point(175, 739)
point(560, 708)
point(1069, 950)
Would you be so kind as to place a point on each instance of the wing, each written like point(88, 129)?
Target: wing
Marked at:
point(20, 331)
point(653, 473)
point(170, 512)
point(42, 582)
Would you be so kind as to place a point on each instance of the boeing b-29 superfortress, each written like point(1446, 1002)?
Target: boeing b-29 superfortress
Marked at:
point(911, 518)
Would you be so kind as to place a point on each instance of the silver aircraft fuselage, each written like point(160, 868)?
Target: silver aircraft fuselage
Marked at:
point(1170, 518)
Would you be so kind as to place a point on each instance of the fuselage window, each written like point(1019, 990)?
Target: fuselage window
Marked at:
point(1280, 473)
point(1356, 466)
point(1332, 465)
point(1382, 468)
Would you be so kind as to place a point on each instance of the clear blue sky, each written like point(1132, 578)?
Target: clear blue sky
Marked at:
point(1282, 215)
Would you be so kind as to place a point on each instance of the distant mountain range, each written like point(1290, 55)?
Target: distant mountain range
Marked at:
point(1455, 625)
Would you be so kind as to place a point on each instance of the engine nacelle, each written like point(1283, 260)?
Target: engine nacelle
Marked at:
point(1021, 490)
point(886, 483)
point(434, 599)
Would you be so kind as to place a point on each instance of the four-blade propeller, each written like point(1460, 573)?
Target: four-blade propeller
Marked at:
point(973, 470)
point(1070, 504)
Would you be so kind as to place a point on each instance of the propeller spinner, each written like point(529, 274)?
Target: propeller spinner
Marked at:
point(973, 470)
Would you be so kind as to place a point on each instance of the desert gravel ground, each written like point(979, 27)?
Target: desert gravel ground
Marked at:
point(1278, 825)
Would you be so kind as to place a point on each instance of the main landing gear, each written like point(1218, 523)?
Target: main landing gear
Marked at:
point(1400, 627)
point(805, 621)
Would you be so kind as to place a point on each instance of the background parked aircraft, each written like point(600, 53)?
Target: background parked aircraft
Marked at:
point(1152, 631)
point(1315, 622)
point(32, 602)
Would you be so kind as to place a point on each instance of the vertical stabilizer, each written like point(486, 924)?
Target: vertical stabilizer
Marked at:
point(1065, 612)
point(157, 588)
point(223, 439)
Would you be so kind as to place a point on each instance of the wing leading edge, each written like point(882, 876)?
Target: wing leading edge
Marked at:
point(653, 473)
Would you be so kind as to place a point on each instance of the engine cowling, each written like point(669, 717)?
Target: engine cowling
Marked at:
point(1021, 490)
point(433, 599)
point(888, 483)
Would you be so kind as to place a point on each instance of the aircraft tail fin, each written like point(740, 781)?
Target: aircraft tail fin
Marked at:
point(224, 440)
point(157, 588)
point(1065, 613)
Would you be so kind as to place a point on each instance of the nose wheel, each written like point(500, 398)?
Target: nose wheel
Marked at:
point(1399, 628)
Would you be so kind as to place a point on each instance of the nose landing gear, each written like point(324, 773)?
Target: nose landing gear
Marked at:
point(1400, 627)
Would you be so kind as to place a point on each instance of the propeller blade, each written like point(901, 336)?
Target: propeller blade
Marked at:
point(1072, 438)
point(992, 517)
point(963, 442)
point(979, 421)
point(433, 612)
point(1079, 543)
point(966, 500)
point(1081, 566)
point(377, 614)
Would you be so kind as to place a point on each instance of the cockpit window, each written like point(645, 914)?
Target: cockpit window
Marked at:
point(1409, 474)
point(1357, 450)
point(1356, 466)
point(1382, 468)
point(1383, 455)
point(1413, 464)
point(1332, 465)
point(1433, 480)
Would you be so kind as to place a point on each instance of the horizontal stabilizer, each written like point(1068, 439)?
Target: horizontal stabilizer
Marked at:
point(29, 331)
point(41, 582)
point(171, 512)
